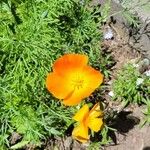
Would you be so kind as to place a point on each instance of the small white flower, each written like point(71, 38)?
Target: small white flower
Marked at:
point(147, 73)
point(78, 107)
point(136, 65)
point(139, 81)
point(111, 93)
point(82, 2)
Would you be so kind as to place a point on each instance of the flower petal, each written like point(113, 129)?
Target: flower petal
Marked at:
point(80, 133)
point(82, 113)
point(76, 97)
point(58, 85)
point(95, 124)
point(91, 80)
point(70, 62)
point(95, 78)
point(95, 111)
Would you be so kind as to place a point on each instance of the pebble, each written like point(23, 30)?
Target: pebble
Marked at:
point(111, 93)
point(108, 35)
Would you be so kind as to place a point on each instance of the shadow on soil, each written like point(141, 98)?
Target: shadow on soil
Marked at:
point(146, 148)
point(123, 123)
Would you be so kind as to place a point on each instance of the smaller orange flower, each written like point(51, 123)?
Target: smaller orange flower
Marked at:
point(72, 79)
point(92, 119)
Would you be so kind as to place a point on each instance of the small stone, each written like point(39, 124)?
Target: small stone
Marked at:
point(68, 142)
point(108, 35)
point(110, 82)
point(111, 93)
point(143, 65)
point(147, 73)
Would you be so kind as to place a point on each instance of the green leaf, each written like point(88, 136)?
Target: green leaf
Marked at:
point(19, 145)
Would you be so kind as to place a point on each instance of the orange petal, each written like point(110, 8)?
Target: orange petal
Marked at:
point(94, 77)
point(70, 62)
point(80, 133)
point(91, 80)
point(82, 113)
point(76, 97)
point(95, 124)
point(58, 86)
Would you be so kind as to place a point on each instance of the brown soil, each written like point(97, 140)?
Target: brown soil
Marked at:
point(135, 137)
point(129, 135)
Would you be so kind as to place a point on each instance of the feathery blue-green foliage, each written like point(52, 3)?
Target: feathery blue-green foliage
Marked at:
point(32, 35)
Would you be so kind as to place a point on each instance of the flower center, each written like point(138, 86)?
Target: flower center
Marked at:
point(77, 82)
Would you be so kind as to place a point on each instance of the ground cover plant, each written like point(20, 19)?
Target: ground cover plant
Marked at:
point(131, 86)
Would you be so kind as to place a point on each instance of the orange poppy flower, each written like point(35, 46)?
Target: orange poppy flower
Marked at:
point(72, 79)
point(87, 119)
